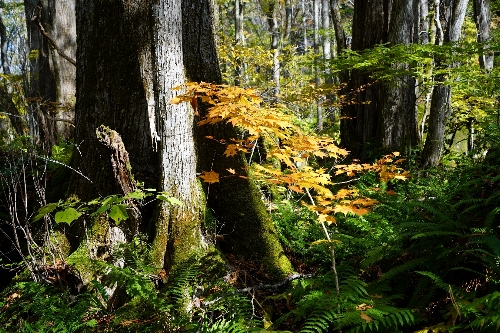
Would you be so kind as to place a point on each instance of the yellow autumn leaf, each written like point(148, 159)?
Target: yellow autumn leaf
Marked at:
point(231, 171)
point(231, 150)
point(175, 100)
point(210, 177)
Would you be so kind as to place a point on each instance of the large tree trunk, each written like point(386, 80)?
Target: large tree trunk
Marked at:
point(441, 95)
point(52, 42)
point(399, 113)
point(115, 89)
point(126, 84)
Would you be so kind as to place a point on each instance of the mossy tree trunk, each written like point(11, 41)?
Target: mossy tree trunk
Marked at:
point(127, 67)
point(235, 201)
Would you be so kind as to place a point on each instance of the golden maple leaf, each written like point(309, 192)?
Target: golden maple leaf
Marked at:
point(210, 177)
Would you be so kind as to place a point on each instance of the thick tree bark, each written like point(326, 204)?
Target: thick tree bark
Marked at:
point(52, 41)
point(235, 202)
point(180, 227)
point(114, 80)
point(441, 95)
point(126, 84)
point(399, 113)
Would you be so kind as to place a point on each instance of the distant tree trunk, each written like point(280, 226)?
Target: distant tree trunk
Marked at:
point(360, 120)
point(337, 25)
point(273, 28)
point(52, 41)
point(482, 17)
point(288, 19)
point(441, 95)
point(6, 103)
point(3, 45)
point(399, 113)
point(239, 8)
point(317, 77)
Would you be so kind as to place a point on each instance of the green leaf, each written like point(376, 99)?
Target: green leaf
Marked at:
point(118, 213)
point(67, 216)
point(101, 209)
point(137, 194)
point(170, 200)
point(111, 200)
point(45, 210)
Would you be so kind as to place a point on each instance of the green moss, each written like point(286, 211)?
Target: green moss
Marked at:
point(80, 259)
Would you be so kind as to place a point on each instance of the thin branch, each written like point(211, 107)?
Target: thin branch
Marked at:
point(51, 40)
point(277, 286)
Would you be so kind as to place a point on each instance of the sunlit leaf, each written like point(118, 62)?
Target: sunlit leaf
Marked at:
point(45, 210)
point(210, 177)
point(118, 213)
point(67, 216)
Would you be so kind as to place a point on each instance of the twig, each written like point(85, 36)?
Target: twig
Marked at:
point(275, 286)
point(51, 40)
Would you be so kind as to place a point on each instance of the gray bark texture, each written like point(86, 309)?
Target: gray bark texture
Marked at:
point(424, 33)
point(441, 94)
point(131, 53)
point(337, 25)
point(482, 17)
point(52, 85)
point(399, 113)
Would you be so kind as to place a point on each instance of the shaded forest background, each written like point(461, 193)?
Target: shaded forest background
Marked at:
point(331, 167)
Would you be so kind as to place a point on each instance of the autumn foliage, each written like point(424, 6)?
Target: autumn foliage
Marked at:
point(290, 149)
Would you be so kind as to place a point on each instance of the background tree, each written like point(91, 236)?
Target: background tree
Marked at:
point(454, 17)
point(51, 89)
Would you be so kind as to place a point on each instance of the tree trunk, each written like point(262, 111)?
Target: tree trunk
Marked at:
point(8, 106)
point(288, 19)
point(126, 84)
point(317, 77)
point(272, 22)
point(482, 17)
point(360, 120)
point(399, 113)
point(441, 95)
point(239, 7)
point(52, 42)
point(337, 25)
point(424, 33)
